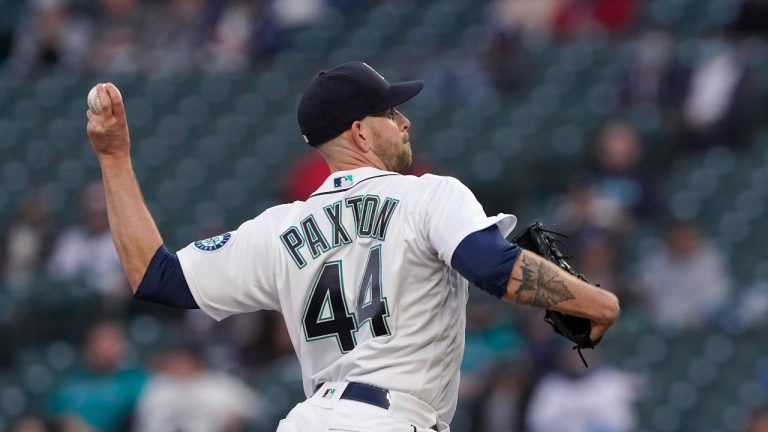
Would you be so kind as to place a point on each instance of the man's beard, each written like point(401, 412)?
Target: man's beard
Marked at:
point(397, 157)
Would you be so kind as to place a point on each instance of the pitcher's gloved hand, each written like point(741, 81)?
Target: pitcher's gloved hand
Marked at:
point(537, 239)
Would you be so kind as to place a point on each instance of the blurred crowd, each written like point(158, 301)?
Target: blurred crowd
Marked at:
point(517, 375)
point(175, 391)
point(152, 37)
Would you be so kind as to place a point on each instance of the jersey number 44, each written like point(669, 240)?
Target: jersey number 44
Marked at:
point(326, 313)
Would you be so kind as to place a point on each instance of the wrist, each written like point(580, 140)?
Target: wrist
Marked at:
point(111, 161)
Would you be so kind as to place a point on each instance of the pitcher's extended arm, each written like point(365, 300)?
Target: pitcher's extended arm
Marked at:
point(134, 233)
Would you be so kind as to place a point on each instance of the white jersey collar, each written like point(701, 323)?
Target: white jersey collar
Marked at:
point(341, 181)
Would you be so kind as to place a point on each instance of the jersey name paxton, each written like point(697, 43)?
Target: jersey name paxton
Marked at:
point(371, 216)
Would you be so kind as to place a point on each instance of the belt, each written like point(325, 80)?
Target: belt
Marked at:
point(370, 395)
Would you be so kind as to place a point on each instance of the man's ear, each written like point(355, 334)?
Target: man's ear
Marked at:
point(360, 136)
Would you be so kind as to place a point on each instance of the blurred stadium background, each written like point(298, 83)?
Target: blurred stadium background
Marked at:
point(637, 127)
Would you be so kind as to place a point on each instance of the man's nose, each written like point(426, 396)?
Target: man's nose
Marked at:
point(405, 124)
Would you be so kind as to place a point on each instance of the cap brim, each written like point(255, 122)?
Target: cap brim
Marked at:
point(398, 93)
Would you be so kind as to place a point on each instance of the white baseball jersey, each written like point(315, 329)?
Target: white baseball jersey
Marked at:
point(361, 273)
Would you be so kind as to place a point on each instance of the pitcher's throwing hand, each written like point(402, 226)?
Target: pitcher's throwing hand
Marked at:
point(108, 131)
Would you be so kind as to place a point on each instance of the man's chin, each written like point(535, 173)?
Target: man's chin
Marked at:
point(404, 164)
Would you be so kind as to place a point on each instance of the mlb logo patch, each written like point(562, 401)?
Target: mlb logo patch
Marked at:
point(344, 181)
point(329, 393)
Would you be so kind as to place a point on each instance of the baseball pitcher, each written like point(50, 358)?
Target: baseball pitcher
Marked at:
point(370, 272)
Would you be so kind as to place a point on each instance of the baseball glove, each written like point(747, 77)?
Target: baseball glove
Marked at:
point(543, 242)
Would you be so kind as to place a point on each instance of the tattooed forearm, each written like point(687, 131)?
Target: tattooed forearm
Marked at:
point(541, 286)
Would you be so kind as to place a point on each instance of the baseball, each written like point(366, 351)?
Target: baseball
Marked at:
point(94, 104)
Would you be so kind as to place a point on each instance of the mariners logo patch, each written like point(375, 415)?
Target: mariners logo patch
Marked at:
point(213, 243)
point(344, 181)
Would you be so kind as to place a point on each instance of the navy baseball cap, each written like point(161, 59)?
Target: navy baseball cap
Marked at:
point(340, 96)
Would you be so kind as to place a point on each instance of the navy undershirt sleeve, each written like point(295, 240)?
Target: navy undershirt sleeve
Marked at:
point(164, 282)
point(486, 259)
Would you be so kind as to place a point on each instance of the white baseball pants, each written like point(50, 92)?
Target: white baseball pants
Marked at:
point(325, 411)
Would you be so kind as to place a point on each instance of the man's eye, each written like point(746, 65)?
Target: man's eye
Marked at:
point(391, 113)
